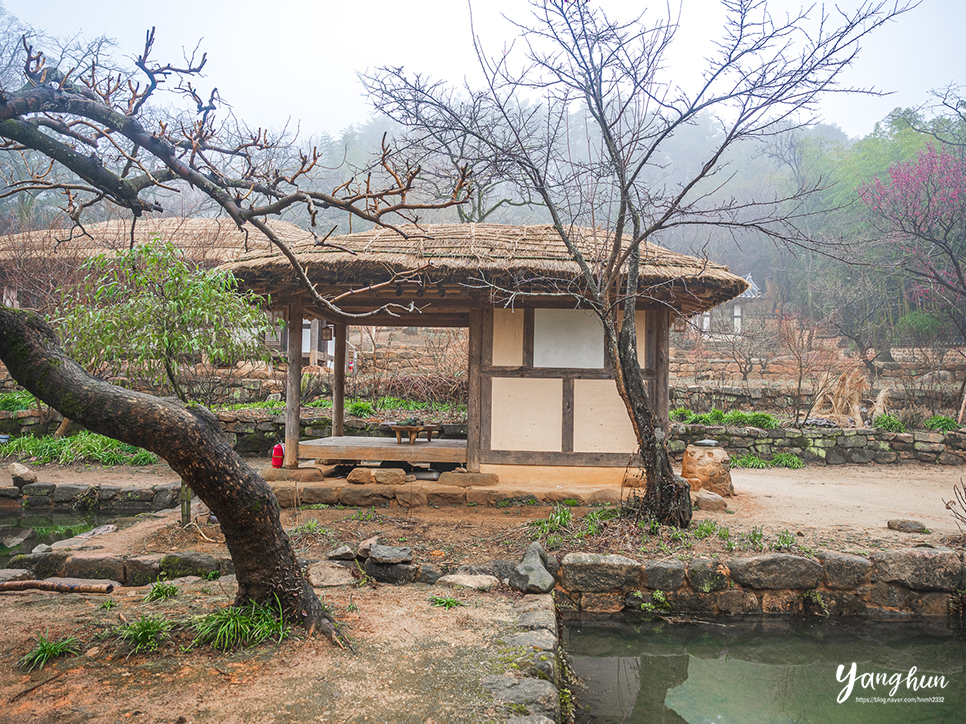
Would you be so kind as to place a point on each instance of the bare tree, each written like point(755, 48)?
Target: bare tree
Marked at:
point(763, 75)
point(95, 138)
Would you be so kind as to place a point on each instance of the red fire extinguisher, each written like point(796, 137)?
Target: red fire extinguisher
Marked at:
point(278, 454)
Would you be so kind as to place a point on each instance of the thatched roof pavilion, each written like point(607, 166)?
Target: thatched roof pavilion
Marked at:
point(205, 241)
point(538, 382)
point(473, 260)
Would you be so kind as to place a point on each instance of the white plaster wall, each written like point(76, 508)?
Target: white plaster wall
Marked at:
point(567, 338)
point(526, 414)
point(508, 337)
point(600, 419)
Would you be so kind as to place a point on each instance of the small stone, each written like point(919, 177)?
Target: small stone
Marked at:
point(907, 526)
point(478, 583)
point(385, 555)
point(366, 545)
point(428, 574)
point(706, 500)
point(531, 575)
point(42, 548)
point(21, 475)
point(469, 480)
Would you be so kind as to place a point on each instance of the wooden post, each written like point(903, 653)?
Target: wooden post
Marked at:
point(474, 384)
point(293, 385)
point(338, 387)
point(662, 365)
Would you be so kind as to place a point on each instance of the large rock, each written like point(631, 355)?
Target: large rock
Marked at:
point(21, 474)
point(396, 573)
point(366, 495)
point(776, 570)
point(531, 575)
point(188, 563)
point(389, 476)
point(327, 573)
point(469, 480)
point(590, 572)
point(390, 554)
point(361, 476)
point(477, 583)
point(42, 565)
point(38, 489)
point(15, 574)
point(529, 696)
point(68, 493)
point(663, 575)
point(706, 500)
point(843, 571)
point(706, 575)
point(143, 570)
point(708, 468)
point(92, 566)
point(12, 537)
point(906, 526)
point(921, 569)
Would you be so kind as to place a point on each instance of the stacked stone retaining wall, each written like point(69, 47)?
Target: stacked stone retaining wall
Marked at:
point(897, 583)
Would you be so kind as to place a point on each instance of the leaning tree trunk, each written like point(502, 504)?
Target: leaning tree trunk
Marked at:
point(187, 437)
point(667, 496)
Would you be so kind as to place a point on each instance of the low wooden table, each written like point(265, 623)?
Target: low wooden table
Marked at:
point(414, 431)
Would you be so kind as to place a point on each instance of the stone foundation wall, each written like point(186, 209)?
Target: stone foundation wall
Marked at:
point(906, 582)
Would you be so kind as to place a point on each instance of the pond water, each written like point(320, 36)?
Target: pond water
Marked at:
point(768, 671)
point(22, 533)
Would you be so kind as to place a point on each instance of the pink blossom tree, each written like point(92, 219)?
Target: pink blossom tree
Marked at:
point(921, 210)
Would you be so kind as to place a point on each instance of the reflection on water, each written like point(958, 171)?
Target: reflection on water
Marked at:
point(769, 671)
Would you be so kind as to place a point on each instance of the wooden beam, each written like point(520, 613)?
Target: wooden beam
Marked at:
point(293, 385)
point(474, 381)
point(338, 382)
point(662, 365)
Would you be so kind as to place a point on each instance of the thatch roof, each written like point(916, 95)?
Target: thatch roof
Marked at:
point(468, 254)
point(206, 241)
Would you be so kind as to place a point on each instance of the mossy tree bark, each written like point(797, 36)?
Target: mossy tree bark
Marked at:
point(188, 438)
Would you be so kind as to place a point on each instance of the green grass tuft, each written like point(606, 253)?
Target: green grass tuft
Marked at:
point(45, 650)
point(888, 423)
point(243, 626)
point(750, 461)
point(445, 602)
point(144, 634)
point(83, 447)
point(941, 423)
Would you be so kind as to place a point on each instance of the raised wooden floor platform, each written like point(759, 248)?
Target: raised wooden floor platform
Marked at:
point(383, 448)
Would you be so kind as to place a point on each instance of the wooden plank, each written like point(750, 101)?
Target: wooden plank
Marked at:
point(662, 366)
point(338, 382)
point(488, 316)
point(473, 386)
point(528, 337)
point(567, 428)
point(293, 384)
point(555, 373)
point(384, 448)
point(650, 356)
point(486, 412)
